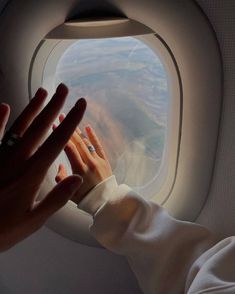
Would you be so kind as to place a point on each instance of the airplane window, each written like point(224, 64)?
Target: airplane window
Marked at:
point(127, 89)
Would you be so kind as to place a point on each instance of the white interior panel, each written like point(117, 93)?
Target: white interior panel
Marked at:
point(48, 263)
point(70, 222)
point(175, 22)
point(219, 211)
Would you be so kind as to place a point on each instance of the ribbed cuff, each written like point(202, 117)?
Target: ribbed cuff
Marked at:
point(100, 194)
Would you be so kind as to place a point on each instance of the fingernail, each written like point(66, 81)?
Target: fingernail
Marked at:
point(62, 116)
point(81, 103)
point(62, 89)
point(4, 107)
point(57, 179)
point(54, 126)
point(40, 92)
point(88, 128)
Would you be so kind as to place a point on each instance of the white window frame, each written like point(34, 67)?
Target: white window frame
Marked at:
point(201, 75)
point(46, 58)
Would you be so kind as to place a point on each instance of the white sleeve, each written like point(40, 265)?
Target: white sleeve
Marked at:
point(214, 271)
point(165, 254)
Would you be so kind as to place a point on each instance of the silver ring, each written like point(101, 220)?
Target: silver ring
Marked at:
point(91, 148)
point(10, 139)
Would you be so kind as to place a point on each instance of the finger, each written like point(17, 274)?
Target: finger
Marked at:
point(76, 162)
point(82, 149)
point(38, 129)
point(4, 116)
point(80, 133)
point(47, 153)
point(61, 174)
point(95, 142)
point(62, 117)
point(56, 199)
point(54, 126)
point(77, 139)
point(29, 113)
point(88, 145)
point(78, 130)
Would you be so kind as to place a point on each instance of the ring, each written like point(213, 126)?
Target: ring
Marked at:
point(10, 139)
point(91, 148)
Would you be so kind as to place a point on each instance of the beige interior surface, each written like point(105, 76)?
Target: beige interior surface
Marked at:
point(174, 22)
point(49, 263)
point(219, 211)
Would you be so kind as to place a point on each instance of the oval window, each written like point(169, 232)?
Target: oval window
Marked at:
point(126, 86)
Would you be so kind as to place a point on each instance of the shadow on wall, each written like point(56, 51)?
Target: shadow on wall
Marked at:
point(3, 288)
point(95, 8)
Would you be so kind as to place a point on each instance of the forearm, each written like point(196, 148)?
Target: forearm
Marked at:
point(160, 249)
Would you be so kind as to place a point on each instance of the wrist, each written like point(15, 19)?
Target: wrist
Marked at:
point(98, 195)
point(86, 189)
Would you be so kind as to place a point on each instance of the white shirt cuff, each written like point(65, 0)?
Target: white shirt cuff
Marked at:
point(100, 194)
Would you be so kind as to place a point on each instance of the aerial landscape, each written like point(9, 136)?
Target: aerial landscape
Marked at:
point(126, 86)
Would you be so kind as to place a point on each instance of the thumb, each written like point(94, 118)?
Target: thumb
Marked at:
point(61, 173)
point(56, 199)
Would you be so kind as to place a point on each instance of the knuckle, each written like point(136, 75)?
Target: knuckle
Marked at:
point(39, 223)
point(81, 143)
point(82, 169)
point(93, 165)
point(69, 147)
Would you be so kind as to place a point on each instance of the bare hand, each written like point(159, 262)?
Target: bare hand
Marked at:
point(24, 165)
point(94, 166)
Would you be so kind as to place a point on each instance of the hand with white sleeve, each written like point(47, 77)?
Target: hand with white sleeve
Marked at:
point(167, 256)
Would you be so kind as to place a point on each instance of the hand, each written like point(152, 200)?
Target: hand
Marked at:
point(24, 165)
point(94, 166)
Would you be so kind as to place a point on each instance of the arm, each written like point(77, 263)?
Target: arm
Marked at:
point(159, 249)
point(162, 251)
point(213, 271)
point(24, 164)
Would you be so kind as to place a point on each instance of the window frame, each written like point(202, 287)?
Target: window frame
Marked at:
point(201, 74)
point(70, 221)
point(48, 56)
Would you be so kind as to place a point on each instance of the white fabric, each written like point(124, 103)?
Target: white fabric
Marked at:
point(166, 255)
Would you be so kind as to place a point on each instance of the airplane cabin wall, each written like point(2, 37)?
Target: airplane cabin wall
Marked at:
point(219, 211)
point(47, 263)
